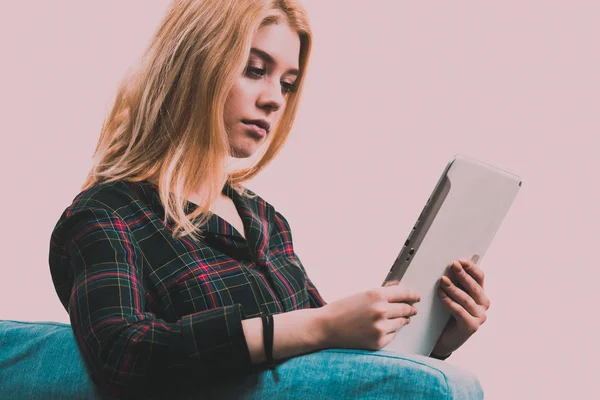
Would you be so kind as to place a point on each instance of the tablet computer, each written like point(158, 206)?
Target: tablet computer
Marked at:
point(459, 221)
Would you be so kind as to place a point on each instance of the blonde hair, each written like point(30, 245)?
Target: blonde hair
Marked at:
point(167, 120)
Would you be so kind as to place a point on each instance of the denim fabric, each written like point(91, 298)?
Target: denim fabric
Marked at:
point(40, 360)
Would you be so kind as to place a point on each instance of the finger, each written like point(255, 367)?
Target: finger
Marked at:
point(474, 271)
point(463, 318)
point(468, 284)
point(397, 323)
point(460, 296)
point(400, 294)
point(390, 336)
point(397, 310)
point(387, 339)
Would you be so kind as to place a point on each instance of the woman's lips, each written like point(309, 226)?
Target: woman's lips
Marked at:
point(256, 130)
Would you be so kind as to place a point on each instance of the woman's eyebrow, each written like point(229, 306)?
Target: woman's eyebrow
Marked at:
point(269, 59)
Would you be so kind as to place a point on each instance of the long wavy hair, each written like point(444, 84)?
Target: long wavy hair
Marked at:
point(167, 121)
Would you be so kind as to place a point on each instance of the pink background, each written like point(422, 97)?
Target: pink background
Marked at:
point(395, 89)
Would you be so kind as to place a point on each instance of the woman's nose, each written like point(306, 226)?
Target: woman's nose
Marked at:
point(271, 96)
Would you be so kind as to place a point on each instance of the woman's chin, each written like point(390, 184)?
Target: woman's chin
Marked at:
point(247, 150)
point(244, 152)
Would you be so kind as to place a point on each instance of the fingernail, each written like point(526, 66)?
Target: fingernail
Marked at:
point(456, 267)
point(445, 281)
point(442, 293)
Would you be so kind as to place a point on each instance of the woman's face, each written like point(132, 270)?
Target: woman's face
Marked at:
point(258, 98)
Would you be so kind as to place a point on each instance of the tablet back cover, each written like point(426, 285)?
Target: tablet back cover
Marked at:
point(460, 220)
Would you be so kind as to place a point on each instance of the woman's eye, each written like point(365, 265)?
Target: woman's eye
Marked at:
point(288, 87)
point(256, 72)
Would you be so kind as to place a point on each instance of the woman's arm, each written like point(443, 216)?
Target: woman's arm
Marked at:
point(97, 269)
point(295, 332)
point(364, 320)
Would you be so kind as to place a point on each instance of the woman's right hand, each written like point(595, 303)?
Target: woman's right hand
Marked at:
point(369, 319)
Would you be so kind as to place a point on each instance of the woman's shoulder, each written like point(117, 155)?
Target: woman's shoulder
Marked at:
point(111, 196)
point(113, 202)
point(107, 205)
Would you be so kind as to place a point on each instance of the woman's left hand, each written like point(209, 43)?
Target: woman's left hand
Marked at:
point(467, 304)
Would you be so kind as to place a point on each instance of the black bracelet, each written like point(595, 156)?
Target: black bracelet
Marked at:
point(440, 357)
point(268, 329)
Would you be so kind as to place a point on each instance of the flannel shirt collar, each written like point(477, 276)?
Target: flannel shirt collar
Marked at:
point(256, 215)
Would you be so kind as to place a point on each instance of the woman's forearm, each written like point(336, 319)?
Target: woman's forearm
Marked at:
point(295, 332)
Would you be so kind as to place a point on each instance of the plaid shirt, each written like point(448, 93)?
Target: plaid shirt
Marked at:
point(148, 310)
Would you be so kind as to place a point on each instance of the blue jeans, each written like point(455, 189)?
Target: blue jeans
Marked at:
point(40, 360)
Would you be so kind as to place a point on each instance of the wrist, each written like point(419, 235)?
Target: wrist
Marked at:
point(319, 328)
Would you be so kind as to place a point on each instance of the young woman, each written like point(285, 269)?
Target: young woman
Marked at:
point(177, 276)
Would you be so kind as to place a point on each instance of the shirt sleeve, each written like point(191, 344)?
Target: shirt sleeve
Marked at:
point(127, 348)
point(315, 298)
